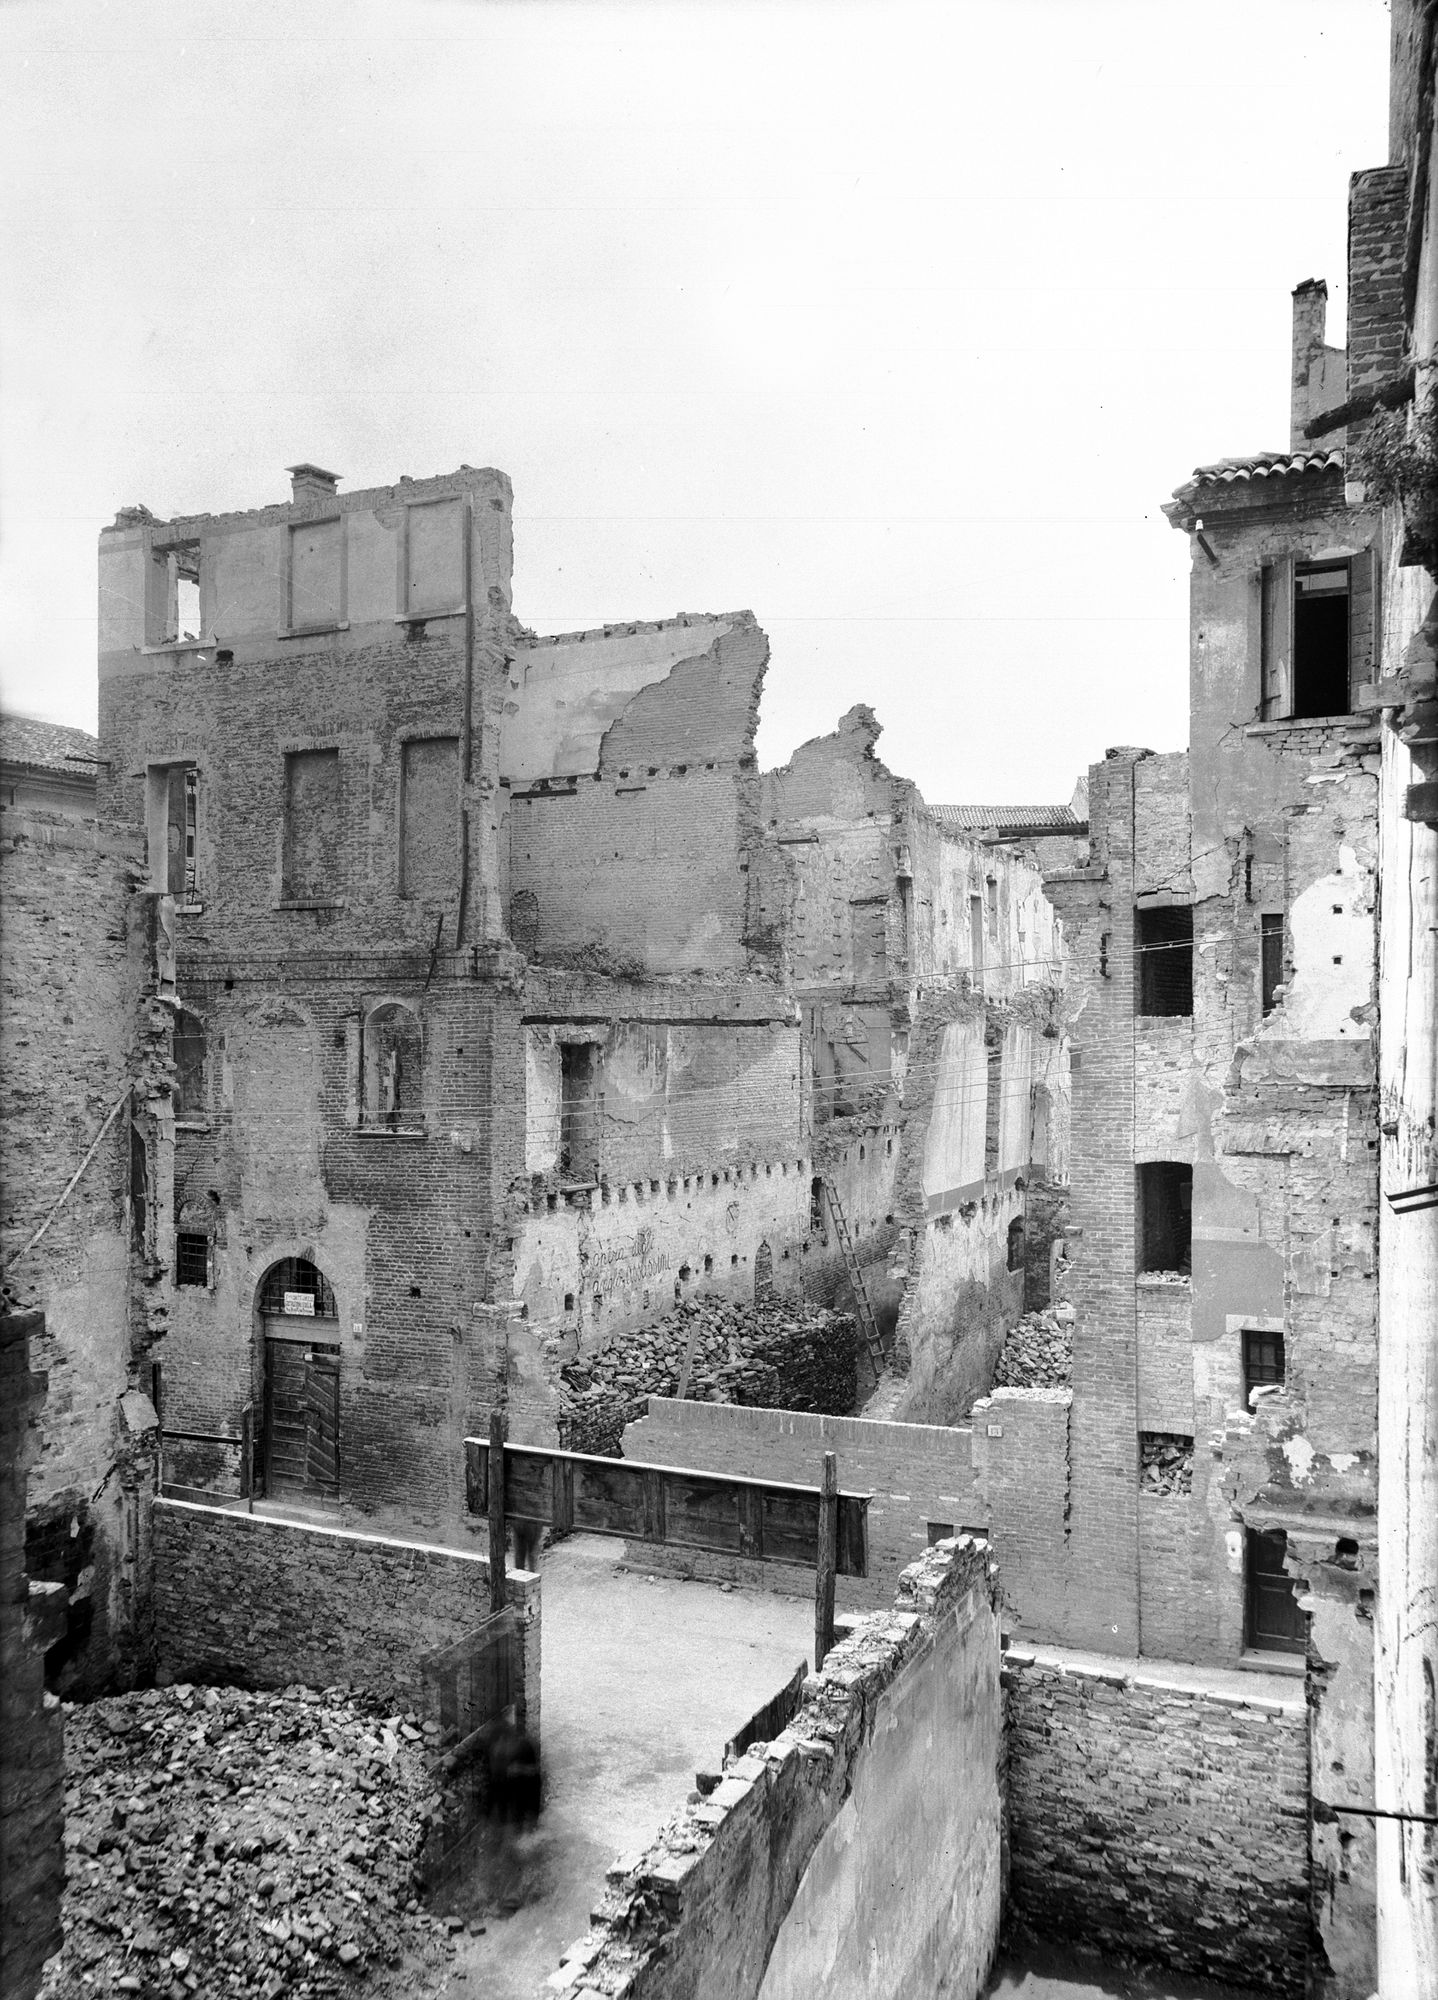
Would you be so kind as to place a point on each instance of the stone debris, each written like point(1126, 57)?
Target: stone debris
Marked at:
point(1039, 1351)
point(1165, 1462)
point(778, 1353)
point(222, 1843)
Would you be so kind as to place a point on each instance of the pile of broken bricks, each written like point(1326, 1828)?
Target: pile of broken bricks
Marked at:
point(1038, 1352)
point(223, 1843)
point(778, 1353)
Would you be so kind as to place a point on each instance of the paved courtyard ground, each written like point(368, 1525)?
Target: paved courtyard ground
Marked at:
point(643, 1682)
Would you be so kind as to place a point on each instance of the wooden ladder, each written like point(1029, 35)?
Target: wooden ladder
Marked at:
point(863, 1306)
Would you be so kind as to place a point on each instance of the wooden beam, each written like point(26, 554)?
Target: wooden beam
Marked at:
point(827, 1558)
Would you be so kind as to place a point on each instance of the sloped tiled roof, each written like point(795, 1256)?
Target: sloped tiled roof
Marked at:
point(1262, 465)
point(48, 746)
point(1047, 819)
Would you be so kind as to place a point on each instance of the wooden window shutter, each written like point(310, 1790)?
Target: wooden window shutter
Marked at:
point(1362, 622)
point(1276, 684)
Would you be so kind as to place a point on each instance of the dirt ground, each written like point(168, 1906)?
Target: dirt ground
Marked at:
point(643, 1681)
point(1032, 1971)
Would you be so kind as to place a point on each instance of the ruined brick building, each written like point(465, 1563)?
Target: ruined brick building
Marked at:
point(511, 1004)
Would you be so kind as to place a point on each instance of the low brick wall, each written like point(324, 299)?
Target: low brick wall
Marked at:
point(1162, 1811)
point(781, 1885)
point(917, 1473)
point(263, 1602)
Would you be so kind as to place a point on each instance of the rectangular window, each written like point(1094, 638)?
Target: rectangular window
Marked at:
point(993, 1098)
point(316, 576)
point(434, 569)
point(976, 936)
point(312, 826)
point(172, 595)
point(172, 813)
point(1319, 636)
point(579, 1108)
point(1163, 941)
point(189, 1053)
point(939, 1531)
point(1165, 1216)
point(192, 1259)
point(429, 818)
point(1263, 1360)
point(1165, 1463)
point(1274, 1622)
point(1271, 945)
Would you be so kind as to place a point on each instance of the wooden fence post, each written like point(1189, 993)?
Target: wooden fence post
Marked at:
point(496, 1511)
point(828, 1547)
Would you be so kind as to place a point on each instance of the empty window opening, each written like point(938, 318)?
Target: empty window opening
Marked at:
point(708, 1266)
point(172, 812)
point(579, 1112)
point(1274, 1621)
point(1263, 1361)
point(1271, 946)
point(189, 1054)
point(393, 1057)
point(311, 866)
point(1165, 1216)
point(1320, 640)
point(172, 607)
point(290, 1284)
point(816, 1205)
point(192, 1259)
point(763, 1272)
point(187, 606)
point(1163, 940)
point(993, 1105)
point(976, 935)
point(939, 1531)
point(1165, 1463)
point(1016, 1244)
point(569, 1302)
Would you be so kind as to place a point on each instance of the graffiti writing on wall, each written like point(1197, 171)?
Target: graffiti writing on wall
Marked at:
point(631, 1262)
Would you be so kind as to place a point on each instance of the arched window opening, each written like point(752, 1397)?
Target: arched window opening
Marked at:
point(190, 1096)
point(288, 1284)
point(393, 1059)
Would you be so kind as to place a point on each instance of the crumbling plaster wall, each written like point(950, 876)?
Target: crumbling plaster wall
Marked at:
point(632, 852)
point(782, 1882)
point(74, 1032)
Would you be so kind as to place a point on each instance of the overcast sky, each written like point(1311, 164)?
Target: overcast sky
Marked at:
point(894, 323)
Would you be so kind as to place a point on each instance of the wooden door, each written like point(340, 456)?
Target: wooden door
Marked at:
point(1275, 1622)
point(302, 1414)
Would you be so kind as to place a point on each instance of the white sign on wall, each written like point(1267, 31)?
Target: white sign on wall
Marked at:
point(302, 1303)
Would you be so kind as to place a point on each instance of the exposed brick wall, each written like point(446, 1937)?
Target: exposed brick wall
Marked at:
point(263, 1602)
point(32, 1750)
point(783, 1880)
point(1160, 1811)
point(915, 1473)
point(73, 953)
point(1377, 215)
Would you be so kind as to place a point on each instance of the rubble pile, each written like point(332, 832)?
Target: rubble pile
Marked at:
point(1165, 1462)
point(774, 1354)
point(221, 1843)
point(1039, 1351)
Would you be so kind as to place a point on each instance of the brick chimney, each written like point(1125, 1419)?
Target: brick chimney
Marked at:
point(309, 483)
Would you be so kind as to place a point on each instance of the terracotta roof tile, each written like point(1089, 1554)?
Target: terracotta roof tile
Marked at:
point(48, 746)
point(975, 819)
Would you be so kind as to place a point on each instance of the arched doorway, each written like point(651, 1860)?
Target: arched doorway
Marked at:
point(299, 1325)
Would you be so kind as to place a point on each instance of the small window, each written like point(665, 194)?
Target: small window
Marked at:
point(1271, 945)
point(816, 1206)
point(192, 1259)
point(939, 1531)
point(1274, 1621)
point(1016, 1244)
point(189, 1053)
point(1165, 1216)
point(1263, 1360)
point(1163, 941)
point(312, 826)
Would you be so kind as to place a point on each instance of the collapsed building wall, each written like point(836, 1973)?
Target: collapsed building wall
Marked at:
point(781, 1882)
point(924, 964)
point(83, 1058)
